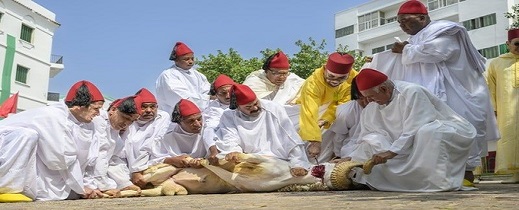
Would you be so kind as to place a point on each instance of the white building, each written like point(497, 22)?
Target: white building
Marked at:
point(26, 32)
point(371, 27)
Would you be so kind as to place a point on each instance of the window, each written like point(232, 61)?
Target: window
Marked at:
point(436, 4)
point(21, 74)
point(480, 22)
point(344, 31)
point(391, 19)
point(26, 33)
point(371, 20)
point(389, 46)
point(490, 52)
point(377, 50)
point(1, 14)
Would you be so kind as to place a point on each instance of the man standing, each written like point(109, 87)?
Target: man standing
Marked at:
point(440, 56)
point(326, 88)
point(181, 81)
point(152, 124)
point(417, 143)
point(257, 126)
point(274, 81)
point(45, 151)
point(503, 82)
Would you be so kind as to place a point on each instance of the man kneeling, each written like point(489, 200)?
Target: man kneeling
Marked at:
point(257, 126)
point(420, 143)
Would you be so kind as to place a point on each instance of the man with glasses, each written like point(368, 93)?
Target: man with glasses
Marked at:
point(274, 81)
point(140, 134)
point(416, 142)
point(440, 56)
point(326, 88)
point(503, 82)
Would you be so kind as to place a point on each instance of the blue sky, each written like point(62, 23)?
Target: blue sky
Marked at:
point(122, 46)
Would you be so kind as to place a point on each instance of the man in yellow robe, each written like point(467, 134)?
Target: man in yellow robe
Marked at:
point(326, 88)
point(503, 82)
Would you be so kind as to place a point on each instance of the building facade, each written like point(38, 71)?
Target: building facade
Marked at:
point(372, 27)
point(26, 60)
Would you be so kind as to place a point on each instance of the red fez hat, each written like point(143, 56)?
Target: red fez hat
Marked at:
point(280, 60)
point(146, 96)
point(339, 64)
point(186, 108)
point(222, 80)
point(95, 94)
point(136, 100)
point(243, 94)
point(513, 33)
point(182, 49)
point(412, 7)
point(369, 78)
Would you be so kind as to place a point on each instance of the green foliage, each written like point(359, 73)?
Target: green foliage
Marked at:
point(230, 63)
point(514, 17)
point(311, 55)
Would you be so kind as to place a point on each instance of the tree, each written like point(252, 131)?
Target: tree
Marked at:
point(513, 16)
point(230, 63)
point(311, 56)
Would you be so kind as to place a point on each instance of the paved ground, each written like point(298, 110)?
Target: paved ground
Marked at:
point(489, 196)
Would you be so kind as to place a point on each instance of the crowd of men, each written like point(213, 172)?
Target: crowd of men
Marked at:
point(422, 113)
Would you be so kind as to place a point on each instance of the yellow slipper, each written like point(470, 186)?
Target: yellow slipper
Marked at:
point(467, 183)
point(14, 197)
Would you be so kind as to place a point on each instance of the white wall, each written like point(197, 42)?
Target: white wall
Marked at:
point(34, 55)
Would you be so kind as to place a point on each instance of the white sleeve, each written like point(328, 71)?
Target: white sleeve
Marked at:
point(227, 138)
point(434, 51)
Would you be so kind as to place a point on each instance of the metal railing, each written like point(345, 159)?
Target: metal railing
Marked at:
point(56, 59)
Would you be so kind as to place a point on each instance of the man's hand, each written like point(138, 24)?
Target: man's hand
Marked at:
point(233, 157)
point(195, 163)
point(314, 149)
point(113, 193)
point(298, 171)
point(213, 160)
point(180, 161)
point(133, 187)
point(138, 179)
point(398, 47)
point(92, 193)
point(322, 123)
point(383, 157)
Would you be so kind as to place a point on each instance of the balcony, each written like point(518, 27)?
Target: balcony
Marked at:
point(56, 65)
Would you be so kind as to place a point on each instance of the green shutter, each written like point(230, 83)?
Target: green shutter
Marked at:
point(21, 74)
point(26, 33)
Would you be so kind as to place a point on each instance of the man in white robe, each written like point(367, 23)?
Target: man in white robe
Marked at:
point(346, 128)
point(182, 146)
point(212, 114)
point(152, 124)
point(44, 151)
point(416, 141)
point(111, 173)
point(440, 56)
point(257, 126)
point(181, 81)
point(274, 81)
